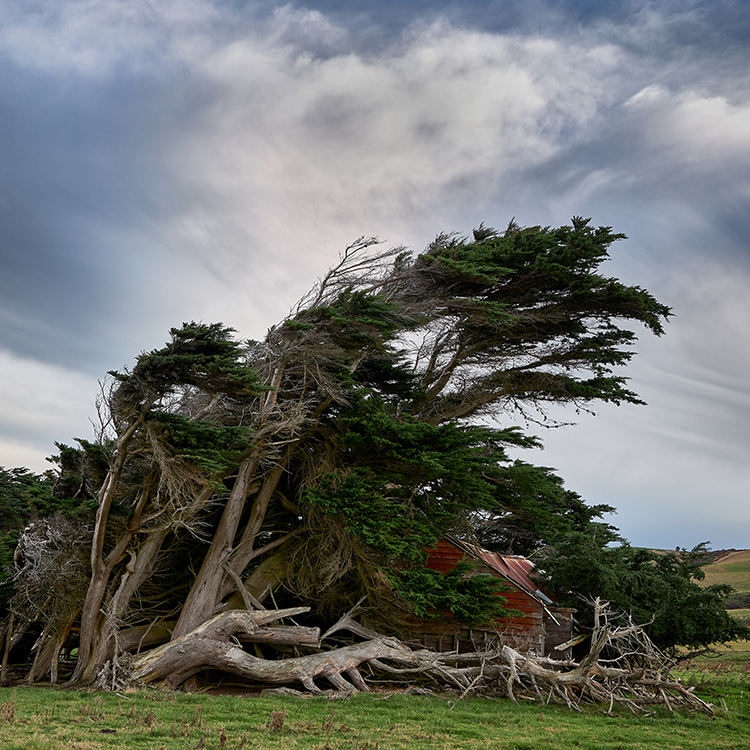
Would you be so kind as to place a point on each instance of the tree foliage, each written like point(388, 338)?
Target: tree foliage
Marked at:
point(319, 463)
point(656, 588)
point(24, 497)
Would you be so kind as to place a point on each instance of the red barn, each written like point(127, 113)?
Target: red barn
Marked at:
point(539, 625)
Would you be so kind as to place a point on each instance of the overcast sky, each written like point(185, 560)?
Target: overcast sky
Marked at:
point(208, 159)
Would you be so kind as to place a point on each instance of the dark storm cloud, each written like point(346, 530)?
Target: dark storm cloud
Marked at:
point(62, 194)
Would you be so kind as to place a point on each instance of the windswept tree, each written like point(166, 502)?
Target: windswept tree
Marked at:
point(317, 465)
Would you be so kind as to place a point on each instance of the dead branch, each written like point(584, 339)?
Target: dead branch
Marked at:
point(635, 675)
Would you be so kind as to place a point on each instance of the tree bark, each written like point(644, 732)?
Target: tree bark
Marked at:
point(208, 647)
point(136, 572)
point(203, 597)
point(48, 652)
point(262, 580)
point(101, 567)
point(145, 636)
point(243, 553)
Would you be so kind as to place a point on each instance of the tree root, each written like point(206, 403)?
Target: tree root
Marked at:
point(639, 681)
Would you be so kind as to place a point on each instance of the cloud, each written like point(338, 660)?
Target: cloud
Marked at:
point(38, 400)
point(695, 133)
point(207, 160)
point(315, 151)
point(92, 37)
point(247, 139)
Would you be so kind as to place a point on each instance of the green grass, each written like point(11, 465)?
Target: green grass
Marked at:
point(733, 569)
point(50, 719)
point(728, 667)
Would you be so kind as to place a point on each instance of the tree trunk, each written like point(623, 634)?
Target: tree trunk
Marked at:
point(48, 652)
point(145, 636)
point(203, 597)
point(244, 551)
point(138, 569)
point(101, 567)
point(261, 581)
point(209, 647)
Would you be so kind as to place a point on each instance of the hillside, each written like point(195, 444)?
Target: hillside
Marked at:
point(731, 567)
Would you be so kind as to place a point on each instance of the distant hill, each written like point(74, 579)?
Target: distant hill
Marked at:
point(732, 567)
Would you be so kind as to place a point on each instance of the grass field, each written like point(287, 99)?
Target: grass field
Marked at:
point(733, 569)
point(47, 719)
point(37, 718)
point(728, 666)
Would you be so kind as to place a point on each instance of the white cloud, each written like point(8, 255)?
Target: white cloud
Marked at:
point(297, 155)
point(91, 37)
point(38, 400)
point(694, 128)
point(303, 28)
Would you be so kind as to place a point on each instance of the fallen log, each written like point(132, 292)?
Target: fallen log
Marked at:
point(283, 635)
point(209, 647)
point(173, 664)
point(636, 676)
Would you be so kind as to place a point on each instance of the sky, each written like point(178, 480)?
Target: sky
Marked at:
point(208, 160)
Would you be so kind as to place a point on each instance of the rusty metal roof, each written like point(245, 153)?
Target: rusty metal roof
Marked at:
point(514, 568)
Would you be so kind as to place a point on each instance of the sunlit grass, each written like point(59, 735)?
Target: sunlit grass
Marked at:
point(727, 666)
point(734, 569)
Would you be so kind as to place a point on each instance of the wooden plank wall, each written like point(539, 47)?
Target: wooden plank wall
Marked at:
point(559, 633)
point(523, 631)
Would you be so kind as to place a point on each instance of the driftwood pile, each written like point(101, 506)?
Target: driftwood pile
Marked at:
point(634, 674)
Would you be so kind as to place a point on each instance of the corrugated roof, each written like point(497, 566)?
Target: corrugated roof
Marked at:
point(512, 567)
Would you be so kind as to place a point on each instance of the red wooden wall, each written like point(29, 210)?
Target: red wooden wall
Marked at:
point(523, 631)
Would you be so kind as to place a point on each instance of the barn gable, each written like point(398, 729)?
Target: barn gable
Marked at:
point(537, 625)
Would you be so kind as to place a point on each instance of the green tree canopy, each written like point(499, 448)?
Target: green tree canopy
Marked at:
point(657, 589)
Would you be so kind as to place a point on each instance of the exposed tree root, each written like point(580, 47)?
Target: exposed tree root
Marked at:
point(634, 676)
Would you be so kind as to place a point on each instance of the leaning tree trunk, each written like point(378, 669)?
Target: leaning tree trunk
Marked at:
point(101, 566)
point(202, 599)
point(224, 560)
point(136, 572)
